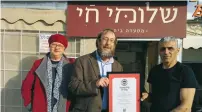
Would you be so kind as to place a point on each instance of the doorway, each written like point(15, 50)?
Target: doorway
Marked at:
point(132, 55)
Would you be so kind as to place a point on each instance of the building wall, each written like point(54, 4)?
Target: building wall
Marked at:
point(18, 51)
point(87, 45)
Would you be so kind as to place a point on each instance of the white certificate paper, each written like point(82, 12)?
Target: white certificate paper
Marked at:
point(124, 95)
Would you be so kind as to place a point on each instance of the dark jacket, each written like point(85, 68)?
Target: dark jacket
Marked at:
point(88, 98)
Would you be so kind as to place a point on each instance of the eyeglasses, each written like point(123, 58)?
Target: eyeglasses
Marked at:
point(57, 45)
point(107, 39)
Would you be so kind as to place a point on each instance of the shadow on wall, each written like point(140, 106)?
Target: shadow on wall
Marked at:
point(11, 99)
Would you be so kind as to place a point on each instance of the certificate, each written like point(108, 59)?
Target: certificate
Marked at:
point(124, 92)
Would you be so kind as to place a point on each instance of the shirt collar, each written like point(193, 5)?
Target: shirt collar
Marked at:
point(111, 60)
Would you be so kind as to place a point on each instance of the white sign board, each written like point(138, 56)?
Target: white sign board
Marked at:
point(43, 43)
point(124, 96)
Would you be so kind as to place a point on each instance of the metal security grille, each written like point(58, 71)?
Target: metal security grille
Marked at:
point(18, 51)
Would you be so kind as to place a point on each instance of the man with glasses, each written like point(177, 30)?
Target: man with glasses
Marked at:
point(89, 82)
point(173, 84)
point(45, 86)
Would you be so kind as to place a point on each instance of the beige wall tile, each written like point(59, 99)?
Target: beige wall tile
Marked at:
point(88, 45)
point(2, 96)
point(72, 47)
point(24, 109)
point(13, 97)
point(2, 36)
point(13, 109)
point(12, 61)
point(27, 61)
point(24, 74)
point(30, 43)
point(13, 45)
point(2, 79)
point(2, 61)
point(78, 46)
point(2, 108)
point(12, 79)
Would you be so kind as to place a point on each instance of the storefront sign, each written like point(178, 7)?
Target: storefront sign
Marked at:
point(43, 43)
point(128, 19)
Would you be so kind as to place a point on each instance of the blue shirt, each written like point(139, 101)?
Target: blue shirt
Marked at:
point(104, 68)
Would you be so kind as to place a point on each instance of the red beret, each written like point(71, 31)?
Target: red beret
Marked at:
point(58, 38)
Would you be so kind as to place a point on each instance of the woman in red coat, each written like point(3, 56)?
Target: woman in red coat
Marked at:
point(45, 86)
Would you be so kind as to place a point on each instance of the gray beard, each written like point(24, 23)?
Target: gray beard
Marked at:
point(105, 54)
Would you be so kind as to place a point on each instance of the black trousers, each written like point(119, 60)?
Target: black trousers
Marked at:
point(145, 106)
point(104, 111)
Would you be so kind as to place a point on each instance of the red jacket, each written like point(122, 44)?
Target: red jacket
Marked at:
point(39, 98)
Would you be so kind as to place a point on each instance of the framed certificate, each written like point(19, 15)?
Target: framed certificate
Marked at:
point(124, 92)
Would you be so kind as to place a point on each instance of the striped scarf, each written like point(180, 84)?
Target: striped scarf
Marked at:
point(58, 80)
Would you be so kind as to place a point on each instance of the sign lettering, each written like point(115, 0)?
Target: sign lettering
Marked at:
point(145, 19)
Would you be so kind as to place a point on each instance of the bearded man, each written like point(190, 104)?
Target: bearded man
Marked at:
point(89, 82)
